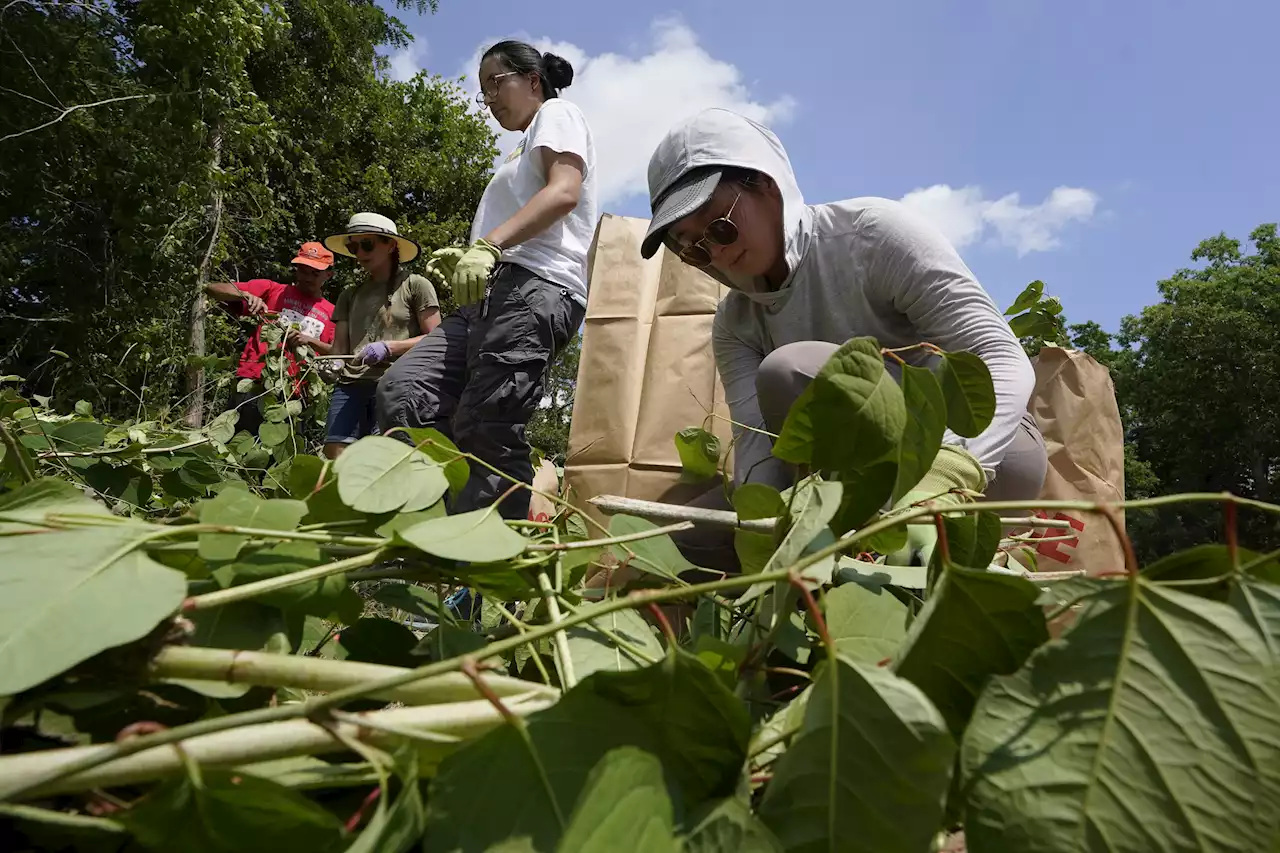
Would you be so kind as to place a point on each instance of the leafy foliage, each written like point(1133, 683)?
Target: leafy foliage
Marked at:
point(214, 138)
point(823, 701)
point(1196, 381)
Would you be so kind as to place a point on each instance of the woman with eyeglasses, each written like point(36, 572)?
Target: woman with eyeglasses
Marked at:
point(805, 278)
point(522, 284)
point(377, 319)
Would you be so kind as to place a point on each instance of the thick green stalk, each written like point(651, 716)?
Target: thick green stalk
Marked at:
point(614, 540)
point(269, 741)
point(247, 591)
point(11, 789)
point(322, 674)
point(113, 752)
point(568, 677)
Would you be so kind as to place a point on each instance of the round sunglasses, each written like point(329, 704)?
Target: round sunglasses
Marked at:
point(367, 244)
point(719, 232)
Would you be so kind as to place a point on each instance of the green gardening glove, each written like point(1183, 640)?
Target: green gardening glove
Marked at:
point(443, 262)
point(471, 273)
point(953, 468)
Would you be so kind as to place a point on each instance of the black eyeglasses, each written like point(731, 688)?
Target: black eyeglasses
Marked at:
point(366, 244)
point(719, 232)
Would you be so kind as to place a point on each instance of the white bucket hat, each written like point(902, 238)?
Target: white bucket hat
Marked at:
point(361, 224)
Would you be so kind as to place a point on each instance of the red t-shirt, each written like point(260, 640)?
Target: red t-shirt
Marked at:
point(313, 315)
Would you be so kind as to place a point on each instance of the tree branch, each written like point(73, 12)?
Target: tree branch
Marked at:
point(68, 111)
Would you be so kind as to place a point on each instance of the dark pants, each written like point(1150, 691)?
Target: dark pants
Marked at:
point(246, 403)
point(479, 377)
point(783, 375)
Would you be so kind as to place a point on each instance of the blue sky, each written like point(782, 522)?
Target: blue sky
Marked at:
point(1129, 130)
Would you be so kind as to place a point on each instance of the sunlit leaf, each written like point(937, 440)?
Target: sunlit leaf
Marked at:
point(701, 749)
point(868, 771)
point(971, 398)
point(755, 501)
point(974, 625)
point(699, 453)
point(591, 650)
point(479, 536)
point(857, 410)
point(1028, 298)
point(222, 428)
point(922, 434)
point(438, 446)
point(866, 622)
point(379, 474)
point(1151, 725)
point(240, 508)
point(795, 443)
point(273, 434)
point(623, 808)
point(657, 555)
point(74, 594)
point(28, 506)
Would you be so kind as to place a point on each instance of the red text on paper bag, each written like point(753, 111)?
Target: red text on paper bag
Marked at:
point(1062, 550)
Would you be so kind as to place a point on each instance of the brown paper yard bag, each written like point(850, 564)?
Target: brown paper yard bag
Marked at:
point(647, 370)
point(1074, 405)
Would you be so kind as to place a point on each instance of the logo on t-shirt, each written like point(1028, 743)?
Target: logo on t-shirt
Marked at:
point(519, 149)
point(310, 326)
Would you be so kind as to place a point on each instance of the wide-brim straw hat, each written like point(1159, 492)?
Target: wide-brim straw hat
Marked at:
point(361, 224)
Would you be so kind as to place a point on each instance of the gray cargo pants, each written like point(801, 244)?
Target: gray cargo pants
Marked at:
point(785, 373)
point(479, 377)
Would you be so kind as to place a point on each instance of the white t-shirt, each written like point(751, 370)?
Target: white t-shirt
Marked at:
point(558, 254)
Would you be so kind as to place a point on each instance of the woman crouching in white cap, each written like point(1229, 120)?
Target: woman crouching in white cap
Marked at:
point(479, 377)
point(805, 279)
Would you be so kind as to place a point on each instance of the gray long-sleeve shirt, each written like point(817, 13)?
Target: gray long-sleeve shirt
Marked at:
point(866, 266)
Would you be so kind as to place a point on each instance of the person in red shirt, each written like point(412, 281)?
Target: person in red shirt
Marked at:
point(300, 304)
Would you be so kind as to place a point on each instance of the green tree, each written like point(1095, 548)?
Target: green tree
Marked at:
point(213, 138)
point(549, 427)
point(1199, 380)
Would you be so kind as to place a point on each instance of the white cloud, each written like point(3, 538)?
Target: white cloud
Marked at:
point(408, 61)
point(966, 216)
point(632, 101)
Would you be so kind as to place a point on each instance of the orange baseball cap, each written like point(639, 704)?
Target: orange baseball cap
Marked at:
point(314, 255)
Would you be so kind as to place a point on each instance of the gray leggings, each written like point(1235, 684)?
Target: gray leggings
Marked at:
point(783, 375)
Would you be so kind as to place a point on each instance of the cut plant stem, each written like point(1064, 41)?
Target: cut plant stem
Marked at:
point(321, 674)
point(564, 661)
point(614, 540)
point(655, 511)
point(85, 761)
point(628, 647)
point(255, 743)
point(11, 787)
point(248, 591)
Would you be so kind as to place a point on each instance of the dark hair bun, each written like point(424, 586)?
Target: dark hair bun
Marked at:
point(558, 70)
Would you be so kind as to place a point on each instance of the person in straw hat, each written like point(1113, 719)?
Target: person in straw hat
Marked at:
point(378, 319)
point(522, 284)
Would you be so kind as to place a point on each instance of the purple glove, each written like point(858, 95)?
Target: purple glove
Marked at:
point(375, 353)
